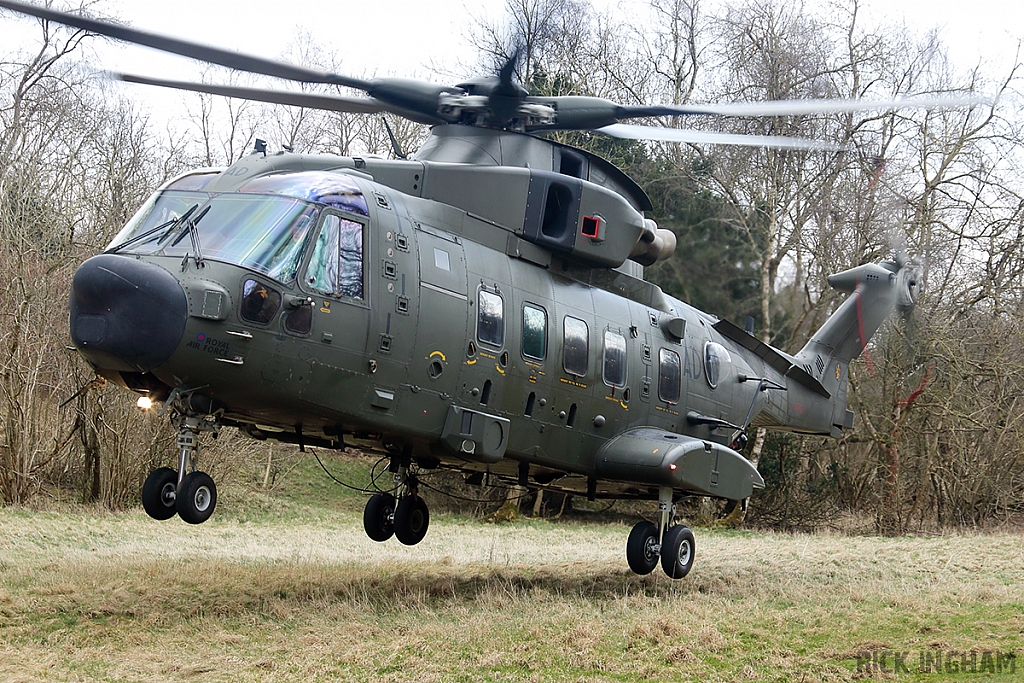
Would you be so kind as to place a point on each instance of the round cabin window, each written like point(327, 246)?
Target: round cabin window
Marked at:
point(716, 363)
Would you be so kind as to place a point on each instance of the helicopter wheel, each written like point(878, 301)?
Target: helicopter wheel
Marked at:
point(159, 492)
point(677, 551)
point(411, 520)
point(642, 548)
point(197, 497)
point(378, 516)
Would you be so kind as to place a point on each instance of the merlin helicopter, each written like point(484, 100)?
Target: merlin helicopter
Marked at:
point(477, 307)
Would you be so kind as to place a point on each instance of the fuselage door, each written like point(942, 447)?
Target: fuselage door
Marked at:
point(443, 311)
point(333, 312)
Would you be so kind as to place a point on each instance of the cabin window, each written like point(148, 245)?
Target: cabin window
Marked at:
point(336, 267)
point(535, 332)
point(490, 320)
point(716, 363)
point(668, 376)
point(614, 359)
point(259, 302)
point(575, 346)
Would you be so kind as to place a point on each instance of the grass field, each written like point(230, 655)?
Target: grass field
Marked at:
point(286, 587)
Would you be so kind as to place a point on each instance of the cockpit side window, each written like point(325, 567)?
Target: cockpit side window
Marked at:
point(259, 302)
point(336, 266)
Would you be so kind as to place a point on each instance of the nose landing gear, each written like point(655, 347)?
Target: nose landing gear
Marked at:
point(190, 494)
point(159, 493)
point(197, 497)
point(408, 519)
point(672, 543)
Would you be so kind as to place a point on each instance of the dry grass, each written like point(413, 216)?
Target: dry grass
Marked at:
point(102, 596)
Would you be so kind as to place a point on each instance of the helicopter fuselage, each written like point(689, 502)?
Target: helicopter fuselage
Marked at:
point(486, 318)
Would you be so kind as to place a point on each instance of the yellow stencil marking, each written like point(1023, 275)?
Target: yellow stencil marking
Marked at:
point(615, 400)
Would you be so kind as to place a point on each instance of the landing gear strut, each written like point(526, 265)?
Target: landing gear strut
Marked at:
point(190, 494)
point(672, 543)
point(408, 518)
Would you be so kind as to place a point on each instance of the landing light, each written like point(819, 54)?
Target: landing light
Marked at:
point(144, 403)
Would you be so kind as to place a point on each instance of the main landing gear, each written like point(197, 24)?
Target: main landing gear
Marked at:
point(671, 543)
point(188, 493)
point(407, 518)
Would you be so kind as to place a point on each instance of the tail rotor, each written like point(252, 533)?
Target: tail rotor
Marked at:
point(909, 283)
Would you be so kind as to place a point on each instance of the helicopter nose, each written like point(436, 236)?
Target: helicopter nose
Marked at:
point(126, 315)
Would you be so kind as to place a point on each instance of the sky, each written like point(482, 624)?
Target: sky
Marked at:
point(406, 38)
point(974, 30)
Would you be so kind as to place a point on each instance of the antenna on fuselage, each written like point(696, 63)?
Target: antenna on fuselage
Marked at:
point(395, 147)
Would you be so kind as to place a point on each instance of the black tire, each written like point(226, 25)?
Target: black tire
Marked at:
point(377, 517)
point(197, 498)
point(677, 551)
point(642, 548)
point(159, 492)
point(411, 520)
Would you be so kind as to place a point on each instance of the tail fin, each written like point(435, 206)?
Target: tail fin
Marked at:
point(875, 289)
point(820, 370)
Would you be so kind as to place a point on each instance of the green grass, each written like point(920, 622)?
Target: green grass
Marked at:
point(284, 586)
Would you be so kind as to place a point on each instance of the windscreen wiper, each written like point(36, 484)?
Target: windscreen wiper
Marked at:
point(190, 228)
point(170, 225)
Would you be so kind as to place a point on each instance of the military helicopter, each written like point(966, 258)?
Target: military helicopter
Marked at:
point(478, 307)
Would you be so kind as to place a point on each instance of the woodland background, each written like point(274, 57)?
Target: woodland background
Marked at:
point(938, 396)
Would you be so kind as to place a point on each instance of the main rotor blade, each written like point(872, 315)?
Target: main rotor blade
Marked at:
point(354, 105)
point(186, 48)
point(800, 107)
point(632, 132)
